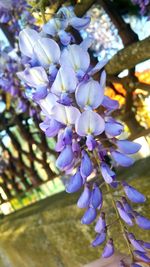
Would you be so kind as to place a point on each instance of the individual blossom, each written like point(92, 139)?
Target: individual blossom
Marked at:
point(132, 194)
point(109, 249)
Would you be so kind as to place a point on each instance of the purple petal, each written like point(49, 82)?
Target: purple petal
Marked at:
point(109, 249)
point(100, 238)
point(89, 216)
point(27, 39)
point(79, 23)
point(76, 57)
point(107, 173)
point(90, 142)
point(65, 37)
point(101, 223)
point(89, 123)
point(132, 194)
point(46, 51)
point(34, 77)
point(128, 147)
point(65, 158)
point(40, 93)
point(113, 128)
point(125, 217)
point(135, 243)
point(96, 197)
point(141, 256)
point(122, 159)
point(84, 200)
point(126, 205)
point(142, 222)
point(89, 94)
point(50, 127)
point(75, 183)
point(86, 167)
point(67, 137)
point(65, 81)
point(109, 103)
point(53, 128)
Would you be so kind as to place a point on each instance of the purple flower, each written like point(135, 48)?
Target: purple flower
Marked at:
point(126, 206)
point(65, 158)
point(100, 238)
point(86, 167)
point(89, 216)
point(75, 183)
point(84, 199)
point(135, 243)
point(107, 173)
point(113, 128)
point(141, 221)
point(132, 194)
point(96, 197)
point(109, 103)
point(125, 217)
point(109, 249)
point(101, 223)
point(51, 127)
point(128, 147)
point(122, 159)
point(90, 142)
point(67, 136)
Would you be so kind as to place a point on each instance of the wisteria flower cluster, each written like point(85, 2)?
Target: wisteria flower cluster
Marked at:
point(76, 111)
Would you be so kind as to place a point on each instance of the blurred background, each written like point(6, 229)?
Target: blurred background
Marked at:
point(38, 219)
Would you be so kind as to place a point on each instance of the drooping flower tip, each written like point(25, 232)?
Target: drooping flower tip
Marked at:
point(89, 216)
point(132, 194)
point(84, 200)
point(109, 249)
point(100, 238)
point(75, 183)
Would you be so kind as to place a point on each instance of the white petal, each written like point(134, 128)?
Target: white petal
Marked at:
point(27, 39)
point(48, 103)
point(75, 56)
point(34, 77)
point(89, 94)
point(89, 123)
point(65, 81)
point(46, 51)
point(65, 114)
